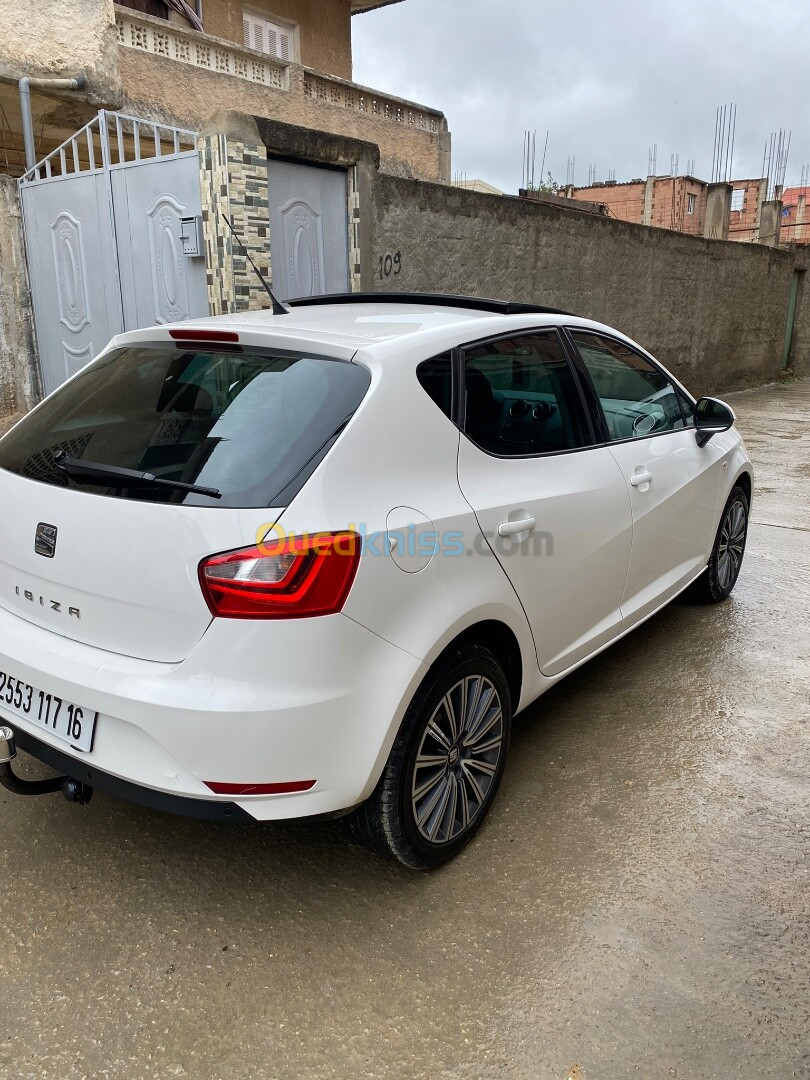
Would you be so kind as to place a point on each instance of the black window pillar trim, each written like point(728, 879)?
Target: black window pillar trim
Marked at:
point(458, 395)
point(590, 398)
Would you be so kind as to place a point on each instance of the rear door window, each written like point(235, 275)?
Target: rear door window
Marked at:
point(522, 398)
point(250, 424)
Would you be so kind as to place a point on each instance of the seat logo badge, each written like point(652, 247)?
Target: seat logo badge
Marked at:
point(45, 540)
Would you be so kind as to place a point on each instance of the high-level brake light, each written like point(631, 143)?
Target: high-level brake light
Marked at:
point(204, 335)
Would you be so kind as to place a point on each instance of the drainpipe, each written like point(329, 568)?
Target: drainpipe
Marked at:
point(25, 108)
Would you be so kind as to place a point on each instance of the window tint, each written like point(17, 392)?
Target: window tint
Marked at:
point(637, 399)
point(435, 378)
point(251, 424)
point(522, 398)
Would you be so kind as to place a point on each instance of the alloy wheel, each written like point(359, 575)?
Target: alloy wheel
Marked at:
point(731, 546)
point(457, 760)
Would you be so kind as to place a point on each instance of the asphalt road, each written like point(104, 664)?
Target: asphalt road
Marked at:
point(637, 905)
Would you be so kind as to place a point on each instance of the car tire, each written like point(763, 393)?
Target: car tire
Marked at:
point(720, 576)
point(436, 790)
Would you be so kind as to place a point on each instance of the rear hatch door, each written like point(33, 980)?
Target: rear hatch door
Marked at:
point(114, 563)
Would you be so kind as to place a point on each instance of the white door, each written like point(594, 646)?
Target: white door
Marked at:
point(672, 483)
point(309, 238)
point(555, 511)
point(70, 245)
point(159, 284)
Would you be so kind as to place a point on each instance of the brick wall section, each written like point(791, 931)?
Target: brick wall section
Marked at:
point(743, 225)
point(713, 311)
point(623, 201)
point(234, 183)
point(670, 202)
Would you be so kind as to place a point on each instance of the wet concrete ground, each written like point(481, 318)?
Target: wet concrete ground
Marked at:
point(637, 904)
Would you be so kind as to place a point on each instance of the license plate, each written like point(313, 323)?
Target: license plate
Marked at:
point(71, 723)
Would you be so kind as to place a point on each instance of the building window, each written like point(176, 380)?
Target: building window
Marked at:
point(690, 204)
point(148, 7)
point(264, 35)
point(737, 198)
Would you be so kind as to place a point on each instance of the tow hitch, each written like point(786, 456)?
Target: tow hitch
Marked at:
point(73, 790)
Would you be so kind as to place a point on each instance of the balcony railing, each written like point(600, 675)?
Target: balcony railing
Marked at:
point(331, 91)
point(150, 35)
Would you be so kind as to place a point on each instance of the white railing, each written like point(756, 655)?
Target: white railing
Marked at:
point(137, 31)
point(111, 139)
point(327, 90)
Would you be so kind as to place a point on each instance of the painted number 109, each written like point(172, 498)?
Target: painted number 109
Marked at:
point(390, 264)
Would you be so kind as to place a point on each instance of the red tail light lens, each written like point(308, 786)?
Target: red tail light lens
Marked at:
point(293, 578)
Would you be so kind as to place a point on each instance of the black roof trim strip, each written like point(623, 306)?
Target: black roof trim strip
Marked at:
point(476, 303)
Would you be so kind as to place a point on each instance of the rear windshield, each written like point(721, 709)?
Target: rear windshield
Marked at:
point(251, 425)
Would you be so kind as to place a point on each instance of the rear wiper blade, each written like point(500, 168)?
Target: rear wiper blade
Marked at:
point(92, 470)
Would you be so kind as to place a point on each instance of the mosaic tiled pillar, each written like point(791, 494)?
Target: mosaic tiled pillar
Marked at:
point(354, 230)
point(233, 181)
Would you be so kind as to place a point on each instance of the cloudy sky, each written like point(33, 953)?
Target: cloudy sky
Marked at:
point(606, 78)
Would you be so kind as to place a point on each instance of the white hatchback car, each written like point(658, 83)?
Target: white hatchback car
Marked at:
point(269, 566)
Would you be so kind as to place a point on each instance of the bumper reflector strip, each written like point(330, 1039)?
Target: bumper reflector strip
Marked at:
point(289, 788)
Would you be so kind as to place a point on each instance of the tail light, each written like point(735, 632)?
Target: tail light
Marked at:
point(292, 578)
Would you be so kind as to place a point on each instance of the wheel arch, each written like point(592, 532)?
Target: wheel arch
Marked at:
point(745, 480)
point(502, 642)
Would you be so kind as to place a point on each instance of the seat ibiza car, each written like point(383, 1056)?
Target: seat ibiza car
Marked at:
point(266, 566)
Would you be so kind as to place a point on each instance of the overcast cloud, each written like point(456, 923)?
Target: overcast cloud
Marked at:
point(607, 79)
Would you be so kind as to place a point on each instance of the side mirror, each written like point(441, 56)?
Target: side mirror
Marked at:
point(711, 417)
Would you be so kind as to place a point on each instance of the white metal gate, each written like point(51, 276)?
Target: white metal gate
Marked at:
point(111, 223)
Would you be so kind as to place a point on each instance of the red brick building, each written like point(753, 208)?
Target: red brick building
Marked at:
point(795, 221)
point(679, 203)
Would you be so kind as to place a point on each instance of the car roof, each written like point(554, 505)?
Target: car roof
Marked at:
point(344, 327)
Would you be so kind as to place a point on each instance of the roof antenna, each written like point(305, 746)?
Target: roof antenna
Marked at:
point(278, 308)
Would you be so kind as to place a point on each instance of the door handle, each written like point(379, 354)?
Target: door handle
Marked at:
point(640, 477)
point(522, 525)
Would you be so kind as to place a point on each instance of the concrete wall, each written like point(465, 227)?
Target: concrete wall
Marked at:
point(17, 391)
point(800, 352)
point(61, 37)
point(324, 28)
point(714, 312)
point(159, 88)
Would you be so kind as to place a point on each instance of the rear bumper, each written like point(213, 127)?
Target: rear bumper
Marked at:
point(253, 704)
point(81, 770)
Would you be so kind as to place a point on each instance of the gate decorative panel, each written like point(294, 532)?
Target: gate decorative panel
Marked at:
point(150, 199)
point(302, 237)
point(71, 275)
point(73, 272)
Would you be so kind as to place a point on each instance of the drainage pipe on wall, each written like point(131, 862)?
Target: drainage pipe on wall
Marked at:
point(25, 108)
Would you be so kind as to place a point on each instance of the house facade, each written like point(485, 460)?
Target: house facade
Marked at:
point(290, 60)
point(173, 122)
